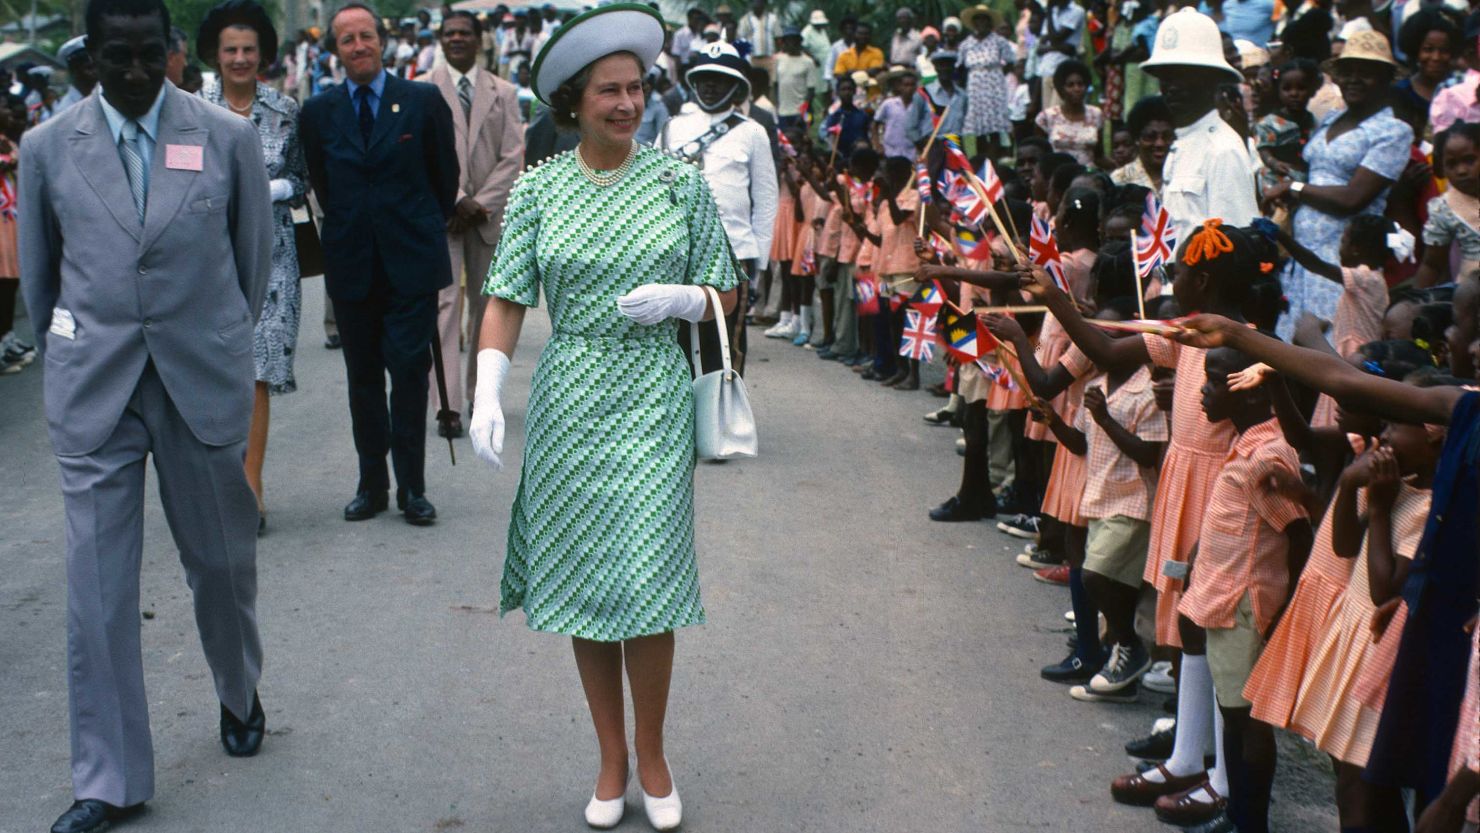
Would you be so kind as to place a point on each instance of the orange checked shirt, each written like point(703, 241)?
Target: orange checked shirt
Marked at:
point(1116, 484)
point(1242, 547)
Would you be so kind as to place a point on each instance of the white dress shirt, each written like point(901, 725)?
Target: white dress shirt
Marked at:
point(741, 174)
point(1207, 174)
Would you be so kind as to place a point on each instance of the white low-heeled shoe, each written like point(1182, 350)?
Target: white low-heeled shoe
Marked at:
point(606, 814)
point(664, 813)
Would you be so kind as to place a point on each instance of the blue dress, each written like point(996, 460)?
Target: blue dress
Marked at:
point(1421, 712)
point(1380, 144)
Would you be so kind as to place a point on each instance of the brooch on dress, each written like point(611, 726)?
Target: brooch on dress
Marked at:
point(669, 177)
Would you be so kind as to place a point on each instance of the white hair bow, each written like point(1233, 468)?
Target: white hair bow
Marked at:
point(1400, 243)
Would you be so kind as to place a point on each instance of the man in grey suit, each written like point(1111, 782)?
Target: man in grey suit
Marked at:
point(145, 244)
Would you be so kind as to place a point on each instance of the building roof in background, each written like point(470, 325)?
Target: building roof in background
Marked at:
point(15, 53)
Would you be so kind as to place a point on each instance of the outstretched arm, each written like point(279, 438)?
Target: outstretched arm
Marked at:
point(1045, 384)
point(1106, 352)
point(1307, 258)
point(1326, 373)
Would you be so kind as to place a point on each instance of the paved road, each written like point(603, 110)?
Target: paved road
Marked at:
point(863, 669)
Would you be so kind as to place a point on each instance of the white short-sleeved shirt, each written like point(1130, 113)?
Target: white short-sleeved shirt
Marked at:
point(1207, 174)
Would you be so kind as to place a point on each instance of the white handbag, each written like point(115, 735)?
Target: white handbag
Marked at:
point(724, 425)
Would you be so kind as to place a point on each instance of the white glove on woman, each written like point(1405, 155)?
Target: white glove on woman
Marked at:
point(651, 303)
point(280, 189)
point(487, 428)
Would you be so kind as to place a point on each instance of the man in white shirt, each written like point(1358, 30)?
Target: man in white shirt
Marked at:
point(839, 46)
point(688, 36)
point(796, 79)
point(906, 45)
point(762, 29)
point(816, 43)
point(1207, 172)
point(734, 153)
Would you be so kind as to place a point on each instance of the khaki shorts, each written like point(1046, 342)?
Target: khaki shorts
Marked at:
point(1232, 653)
point(1116, 548)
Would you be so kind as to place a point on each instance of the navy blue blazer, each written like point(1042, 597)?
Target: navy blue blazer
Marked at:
point(391, 198)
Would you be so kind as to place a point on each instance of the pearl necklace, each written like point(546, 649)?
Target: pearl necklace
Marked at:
point(602, 179)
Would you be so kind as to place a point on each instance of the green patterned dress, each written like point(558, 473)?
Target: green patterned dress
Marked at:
point(601, 539)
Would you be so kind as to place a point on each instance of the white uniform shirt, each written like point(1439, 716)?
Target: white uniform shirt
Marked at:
point(1207, 174)
point(741, 174)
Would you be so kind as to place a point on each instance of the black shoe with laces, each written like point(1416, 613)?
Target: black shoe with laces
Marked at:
point(1124, 667)
point(1156, 746)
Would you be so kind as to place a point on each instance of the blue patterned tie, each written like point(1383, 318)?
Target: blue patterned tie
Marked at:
point(133, 165)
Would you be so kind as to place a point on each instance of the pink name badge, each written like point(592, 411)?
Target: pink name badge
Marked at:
point(184, 157)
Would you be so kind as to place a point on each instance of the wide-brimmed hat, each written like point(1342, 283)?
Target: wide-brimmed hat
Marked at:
point(968, 17)
point(818, 17)
point(1368, 46)
point(1250, 54)
point(595, 34)
point(897, 72)
point(1189, 38)
point(247, 13)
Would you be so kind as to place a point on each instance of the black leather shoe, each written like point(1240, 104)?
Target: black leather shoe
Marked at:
point(90, 814)
point(242, 740)
point(367, 505)
point(954, 510)
point(419, 511)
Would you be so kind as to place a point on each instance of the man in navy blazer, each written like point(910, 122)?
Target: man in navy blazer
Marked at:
point(383, 164)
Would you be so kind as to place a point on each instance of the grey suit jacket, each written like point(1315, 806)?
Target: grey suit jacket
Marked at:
point(184, 289)
point(490, 144)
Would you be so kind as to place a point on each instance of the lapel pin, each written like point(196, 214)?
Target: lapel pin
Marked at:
point(395, 108)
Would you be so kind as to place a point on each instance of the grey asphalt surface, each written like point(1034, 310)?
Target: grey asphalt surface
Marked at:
point(862, 670)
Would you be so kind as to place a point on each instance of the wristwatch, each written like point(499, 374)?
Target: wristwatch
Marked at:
point(1296, 187)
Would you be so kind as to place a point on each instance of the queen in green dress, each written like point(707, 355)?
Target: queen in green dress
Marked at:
point(619, 238)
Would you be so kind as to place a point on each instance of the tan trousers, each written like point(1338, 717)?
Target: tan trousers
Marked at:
point(470, 256)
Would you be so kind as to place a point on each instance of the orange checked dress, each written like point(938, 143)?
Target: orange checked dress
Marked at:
point(1327, 710)
point(1065, 487)
point(1194, 457)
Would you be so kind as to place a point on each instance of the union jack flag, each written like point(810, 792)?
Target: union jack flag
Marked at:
point(1045, 252)
point(7, 200)
point(807, 265)
point(1157, 240)
point(918, 341)
point(941, 246)
point(922, 182)
point(967, 208)
point(866, 293)
point(991, 183)
point(997, 374)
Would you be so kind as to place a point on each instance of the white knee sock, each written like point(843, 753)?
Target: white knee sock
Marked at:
point(1195, 709)
point(1218, 777)
point(804, 315)
point(785, 318)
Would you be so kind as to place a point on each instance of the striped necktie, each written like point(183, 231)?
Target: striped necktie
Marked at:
point(133, 165)
point(465, 96)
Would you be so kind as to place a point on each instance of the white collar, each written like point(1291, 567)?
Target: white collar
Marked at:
point(457, 77)
point(1207, 124)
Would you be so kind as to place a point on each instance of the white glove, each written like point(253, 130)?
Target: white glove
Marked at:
point(651, 303)
point(487, 428)
point(280, 189)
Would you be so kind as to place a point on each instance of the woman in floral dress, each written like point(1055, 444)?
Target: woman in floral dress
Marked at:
point(986, 56)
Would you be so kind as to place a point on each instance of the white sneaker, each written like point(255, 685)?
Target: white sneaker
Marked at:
point(664, 813)
point(1159, 678)
point(783, 329)
point(606, 814)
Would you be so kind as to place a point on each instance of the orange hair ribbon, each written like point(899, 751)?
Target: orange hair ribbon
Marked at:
point(1207, 243)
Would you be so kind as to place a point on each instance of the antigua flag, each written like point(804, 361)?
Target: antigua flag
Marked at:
point(928, 299)
point(1045, 252)
point(973, 245)
point(918, 341)
point(956, 158)
point(961, 337)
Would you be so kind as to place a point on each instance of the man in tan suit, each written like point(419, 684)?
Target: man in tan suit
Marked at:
point(490, 154)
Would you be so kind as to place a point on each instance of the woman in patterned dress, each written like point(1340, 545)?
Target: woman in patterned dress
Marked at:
point(237, 39)
point(620, 238)
point(1354, 157)
point(986, 55)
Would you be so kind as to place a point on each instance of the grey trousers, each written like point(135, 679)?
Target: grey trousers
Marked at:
point(999, 450)
point(845, 312)
point(212, 515)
